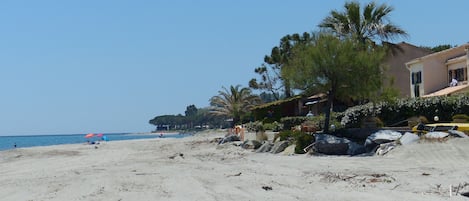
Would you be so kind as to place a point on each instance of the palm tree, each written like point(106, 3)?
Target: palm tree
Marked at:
point(371, 25)
point(233, 103)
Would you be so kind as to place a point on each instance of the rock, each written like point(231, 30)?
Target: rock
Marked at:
point(279, 147)
point(290, 150)
point(251, 144)
point(436, 135)
point(384, 136)
point(330, 139)
point(409, 138)
point(331, 149)
point(457, 133)
point(229, 138)
point(385, 148)
point(355, 148)
point(266, 147)
point(332, 145)
point(380, 137)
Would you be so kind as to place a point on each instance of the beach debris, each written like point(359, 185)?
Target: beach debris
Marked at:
point(425, 174)
point(267, 188)
point(460, 187)
point(266, 147)
point(176, 155)
point(251, 144)
point(234, 175)
point(355, 179)
point(279, 147)
point(409, 138)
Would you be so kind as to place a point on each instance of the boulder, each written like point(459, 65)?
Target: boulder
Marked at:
point(279, 147)
point(331, 149)
point(251, 144)
point(229, 138)
point(290, 150)
point(329, 144)
point(355, 148)
point(436, 135)
point(409, 138)
point(385, 148)
point(384, 136)
point(457, 133)
point(266, 147)
point(380, 137)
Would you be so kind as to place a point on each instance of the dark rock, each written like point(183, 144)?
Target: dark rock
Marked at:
point(331, 148)
point(279, 147)
point(332, 145)
point(229, 138)
point(266, 147)
point(251, 144)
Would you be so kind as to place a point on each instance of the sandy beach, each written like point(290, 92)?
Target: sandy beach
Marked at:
point(195, 168)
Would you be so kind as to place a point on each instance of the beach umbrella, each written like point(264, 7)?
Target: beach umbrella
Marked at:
point(99, 135)
point(89, 135)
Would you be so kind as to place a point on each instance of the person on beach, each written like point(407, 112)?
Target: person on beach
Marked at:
point(14, 145)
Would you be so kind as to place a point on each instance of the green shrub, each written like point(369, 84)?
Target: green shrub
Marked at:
point(274, 126)
point(301, 139)
point(319, 120)
point(460, 118)
point(290, 122)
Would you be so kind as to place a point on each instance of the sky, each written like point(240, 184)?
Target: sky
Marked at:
point(72, 67)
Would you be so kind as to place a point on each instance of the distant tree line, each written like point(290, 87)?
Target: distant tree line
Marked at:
point(194, 118)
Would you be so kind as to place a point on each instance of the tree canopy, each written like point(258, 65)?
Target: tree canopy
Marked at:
point(235, 103)
point(369, 24)
point(271, 79)
point(341, 68)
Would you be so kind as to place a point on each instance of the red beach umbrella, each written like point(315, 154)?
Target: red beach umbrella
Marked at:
point(99, 135)
point(89, 135)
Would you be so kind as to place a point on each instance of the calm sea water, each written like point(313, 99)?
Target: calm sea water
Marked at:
point(8, 142)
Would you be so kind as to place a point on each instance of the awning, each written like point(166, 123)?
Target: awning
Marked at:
point(448, 91)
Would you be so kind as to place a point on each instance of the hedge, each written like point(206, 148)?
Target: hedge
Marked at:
point(400, 110)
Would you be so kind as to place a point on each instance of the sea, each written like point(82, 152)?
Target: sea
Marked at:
point(9, 142)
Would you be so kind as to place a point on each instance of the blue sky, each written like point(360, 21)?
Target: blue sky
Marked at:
point(111, 65)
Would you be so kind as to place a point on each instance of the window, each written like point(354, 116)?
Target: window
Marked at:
point(417, 90)
point(416, 77)
point(459, 74)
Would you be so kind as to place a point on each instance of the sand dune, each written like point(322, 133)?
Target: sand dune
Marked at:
point(195, 168)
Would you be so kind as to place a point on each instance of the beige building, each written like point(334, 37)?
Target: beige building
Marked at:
point(397, 75)
point(440, 74)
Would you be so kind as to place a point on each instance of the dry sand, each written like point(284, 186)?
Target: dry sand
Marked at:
point(194, 168)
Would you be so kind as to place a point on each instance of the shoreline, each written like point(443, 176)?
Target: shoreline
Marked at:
point(196, 168)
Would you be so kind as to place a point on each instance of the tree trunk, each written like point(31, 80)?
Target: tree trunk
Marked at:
point(330, 101)
point(287, 88)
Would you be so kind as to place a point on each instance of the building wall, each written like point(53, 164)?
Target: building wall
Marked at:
point(396, 68)
point(434, 74)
